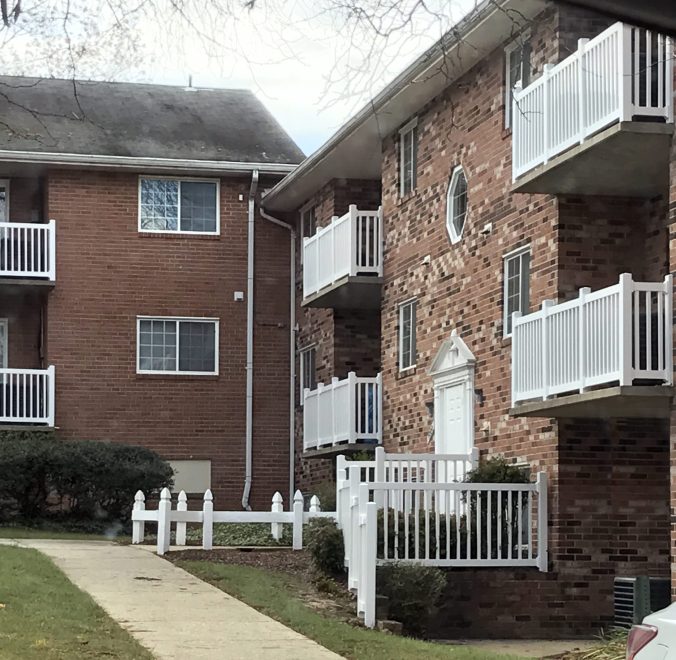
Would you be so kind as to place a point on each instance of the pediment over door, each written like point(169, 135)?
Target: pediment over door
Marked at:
point(453, 356)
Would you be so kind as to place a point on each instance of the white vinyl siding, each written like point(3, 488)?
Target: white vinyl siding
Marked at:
point(516, 286)
point(177, 345)
point(407, 348)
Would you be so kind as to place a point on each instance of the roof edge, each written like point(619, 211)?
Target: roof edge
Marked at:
point(140, 162)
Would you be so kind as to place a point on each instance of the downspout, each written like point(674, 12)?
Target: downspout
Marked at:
point(248, 472)
point(292, 353)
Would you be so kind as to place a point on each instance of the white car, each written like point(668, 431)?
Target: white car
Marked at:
point(655, 638)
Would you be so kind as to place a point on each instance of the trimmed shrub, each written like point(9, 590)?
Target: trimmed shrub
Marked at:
point(325, 543)
point(413, 592)
point(496, 470)
point(88, 479)
point(326, 492)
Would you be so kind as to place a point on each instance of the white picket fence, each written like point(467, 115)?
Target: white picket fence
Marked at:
point(427, 518)
point(165, 516)
point(28, 249)
point(350, 245)
point(622, 73)
point(622, 334)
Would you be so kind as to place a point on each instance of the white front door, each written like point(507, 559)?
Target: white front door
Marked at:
point(4, 344)
point(455, 436)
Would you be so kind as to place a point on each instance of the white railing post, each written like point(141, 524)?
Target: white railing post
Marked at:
point(543, 516)
point(582, 338)
point(626, 80)
point(181, 526)
point(318, 409)
point(352, 402)
point(474, 458)
point(546, 304)
point(277, 507)
point(517, 367)
point(164, 522)
point(353, 238)
point(368, 563)
point(625, 325)
point(334, 412)
point(52, 250)
point(379, 474)
point(378, 406)
point(208, 521)
point(381, 240)
point(581, 88)
point(546, 81)
point(315, 505)
point(669, 328)
point(51, 389)
point(298, 521)
point(138, 526)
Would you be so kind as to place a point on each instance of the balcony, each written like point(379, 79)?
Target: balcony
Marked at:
point(27, 397)
point(604, 354)
point(27, 253)
point(600, 121)
point(342, 416)
point(343, 262)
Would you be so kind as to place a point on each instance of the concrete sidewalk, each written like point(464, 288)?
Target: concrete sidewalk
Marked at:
point(170, 612)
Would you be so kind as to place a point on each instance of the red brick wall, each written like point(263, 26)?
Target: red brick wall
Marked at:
point(108, 273)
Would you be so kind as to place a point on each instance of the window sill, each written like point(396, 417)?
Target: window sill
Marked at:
point(178, 235)
point(404, 199)
point(175, 376)
point(404, 373)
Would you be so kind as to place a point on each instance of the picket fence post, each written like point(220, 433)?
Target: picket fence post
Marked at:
point(315, 505)
point(208, 521)
point(181, 526)
point(368, 563)
point(163, 522)
point(298, 521)
point(277, 507)
point(138, 526)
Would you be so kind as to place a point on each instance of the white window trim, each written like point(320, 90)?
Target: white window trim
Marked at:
point(4, 358)
point(526, 249)
point(176, 372)
point(518, 42)
point(400, 313)
point(301, 212)
point(452, 235)
point(301, 375)
point(217, 232)
point(403, 132)
point(6, 183)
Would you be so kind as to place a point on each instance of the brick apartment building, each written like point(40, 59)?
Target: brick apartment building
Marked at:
point(450, 203)
point(128, 222)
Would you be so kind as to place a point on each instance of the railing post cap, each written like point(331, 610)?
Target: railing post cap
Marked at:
point(182, 497)
point(298, 496)
point(139, 497)
point(208, 495)
point(314, 500)
point(277, 498)
point(165, 494)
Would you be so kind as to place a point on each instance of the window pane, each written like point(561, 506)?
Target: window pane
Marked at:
point(197, 346)
point(408, 158)
point(157, 345)
point(159, 204)
point(407, 335)
point(198, 205)
point(517, 285)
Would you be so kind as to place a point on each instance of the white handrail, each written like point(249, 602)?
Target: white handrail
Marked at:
point(622, 334)
point(623, 73)
point(350, 245)
point(27, 396)
point(345, 411)
point(28, 249)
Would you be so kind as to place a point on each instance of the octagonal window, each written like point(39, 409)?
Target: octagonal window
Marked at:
point(456, 204)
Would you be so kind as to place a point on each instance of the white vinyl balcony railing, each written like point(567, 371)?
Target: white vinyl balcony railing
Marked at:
point(620, 334)
point(351, 245)
point(27, 396)
point(623, 73)
point(28, 249)
point(345, 411)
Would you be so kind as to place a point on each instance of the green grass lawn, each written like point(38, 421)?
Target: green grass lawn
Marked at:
point(43, 615)
point(279, 596)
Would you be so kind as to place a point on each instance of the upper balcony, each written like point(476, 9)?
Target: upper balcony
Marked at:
point(343, 262)
point(27, 253)
point(344, 416)
point(600, 121)
point(605, 354)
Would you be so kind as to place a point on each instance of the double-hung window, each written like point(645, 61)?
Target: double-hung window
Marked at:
point(517, 69)
point(408, 157)
point(188, 206)
point(308, 220)
point(407, 349)
point(516, 286)
point(308, 370)
point(170, 345)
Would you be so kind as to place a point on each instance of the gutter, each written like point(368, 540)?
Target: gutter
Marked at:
point(143, 162)
point(248, 471)
point(292, 352)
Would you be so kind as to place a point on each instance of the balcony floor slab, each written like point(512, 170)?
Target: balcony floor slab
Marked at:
point(637, 401)
point(627, 159)
point(25, 283)
point(349, 292)
point(336, 450)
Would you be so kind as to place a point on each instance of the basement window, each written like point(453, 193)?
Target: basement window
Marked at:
point(169, 345)
point(184, 206)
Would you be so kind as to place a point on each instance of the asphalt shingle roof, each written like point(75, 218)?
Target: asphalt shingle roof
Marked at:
point(139, 120)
